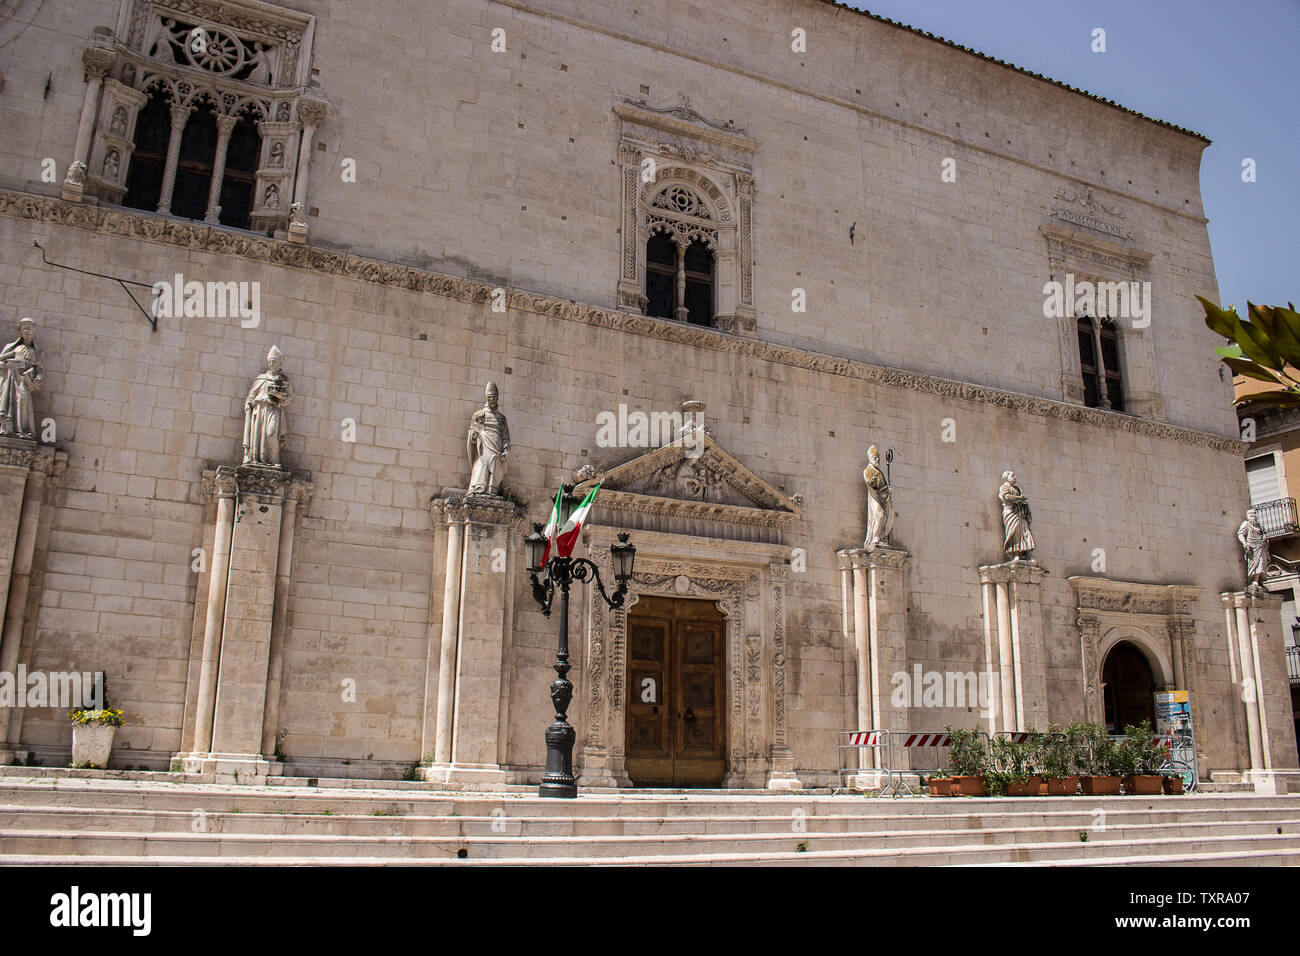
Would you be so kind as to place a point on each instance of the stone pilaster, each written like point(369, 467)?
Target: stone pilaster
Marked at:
point(244, 628)
point(1258, 664)
point(782, 775)
point(472, 638)
point(879, 628)
point(1015, 651)
point(26, 472)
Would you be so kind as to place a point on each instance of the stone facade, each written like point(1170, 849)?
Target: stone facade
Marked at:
point(483, 238)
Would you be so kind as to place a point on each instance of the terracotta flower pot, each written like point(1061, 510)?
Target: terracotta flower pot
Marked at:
point(1173, 785)
point(92, 743)
point(1100, 786)
point(1063, 786)
point(1143, 784)
point(968, 787)
point(939, 786)
point(1028, 788)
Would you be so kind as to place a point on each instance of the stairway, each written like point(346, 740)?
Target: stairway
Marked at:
point(152, 818)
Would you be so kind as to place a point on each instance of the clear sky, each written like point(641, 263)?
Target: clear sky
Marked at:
point(1228, 70)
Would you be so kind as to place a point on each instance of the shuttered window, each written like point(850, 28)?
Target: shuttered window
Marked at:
point(1261, 472)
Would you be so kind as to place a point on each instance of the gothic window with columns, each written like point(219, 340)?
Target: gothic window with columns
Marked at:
point(1099, 361)
point(679, 257)
point(688, 193)
point(206, 111)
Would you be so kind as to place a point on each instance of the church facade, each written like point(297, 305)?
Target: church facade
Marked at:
point(706, 262)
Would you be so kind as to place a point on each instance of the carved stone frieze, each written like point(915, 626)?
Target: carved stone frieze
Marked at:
point(201, 237)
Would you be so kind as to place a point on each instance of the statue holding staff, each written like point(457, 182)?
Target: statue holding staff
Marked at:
point(880, 502)
point(1254, 545)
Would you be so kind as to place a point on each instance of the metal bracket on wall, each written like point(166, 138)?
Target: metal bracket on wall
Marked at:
point(153, 320)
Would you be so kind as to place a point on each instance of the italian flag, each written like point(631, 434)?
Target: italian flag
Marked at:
point(552, 527)
point(568, 536)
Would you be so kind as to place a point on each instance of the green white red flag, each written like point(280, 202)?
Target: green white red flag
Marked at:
point(568, 536)
point(552, 527)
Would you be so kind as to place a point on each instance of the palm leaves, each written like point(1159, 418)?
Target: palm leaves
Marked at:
point(1267, 348)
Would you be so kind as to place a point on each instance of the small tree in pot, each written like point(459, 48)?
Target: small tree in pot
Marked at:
point(1148, 754)
point(969, 757)
point(1104, 761)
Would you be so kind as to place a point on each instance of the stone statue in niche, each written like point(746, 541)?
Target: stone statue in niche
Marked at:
point(20, 375)
point(277, 154)
point(1016, 518)
point(272, 199)
point(264, 414)
point(488, 444)
point(111, 164)
point(282, 113)
point(880, 502)
point(1254, 545)
point(118, 125)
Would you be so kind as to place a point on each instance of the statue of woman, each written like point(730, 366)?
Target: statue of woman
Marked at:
point(264, 414)
point(880, 502)
point(20, 375)
point(488, 444)
point(1016, 519)
point(1254, 544)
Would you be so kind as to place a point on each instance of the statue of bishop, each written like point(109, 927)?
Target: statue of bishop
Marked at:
point(488, 444)
point(20, 375)
point(880, 502)
point(264, 414)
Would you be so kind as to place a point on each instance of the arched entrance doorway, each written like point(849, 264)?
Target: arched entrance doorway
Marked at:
point(1129, 688)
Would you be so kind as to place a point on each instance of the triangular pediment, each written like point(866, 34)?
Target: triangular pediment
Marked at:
point(692, 478)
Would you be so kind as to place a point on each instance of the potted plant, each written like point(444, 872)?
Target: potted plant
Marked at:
point(1103, 762)
point(1147, 756)
point(92, 736)
point(1058, 760)
point(939, 783)
point(1173, 782)
point(1013, 767)
point(968, 756)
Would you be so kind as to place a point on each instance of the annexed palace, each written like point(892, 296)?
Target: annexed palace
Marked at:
point(709, 259)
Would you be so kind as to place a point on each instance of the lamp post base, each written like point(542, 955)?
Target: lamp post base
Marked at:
point(558, 779)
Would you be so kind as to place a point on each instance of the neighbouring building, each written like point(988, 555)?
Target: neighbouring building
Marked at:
point(709, 257)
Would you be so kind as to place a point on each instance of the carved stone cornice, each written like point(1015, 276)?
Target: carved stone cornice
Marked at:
point(1251, 599)
point(456, 506)
point(1128, 597)
point(1017, 570)
point(1066, 242)
point(198, 236)
point(17, 452)
point(230, 481)
point(684, 120)
point(894, 558)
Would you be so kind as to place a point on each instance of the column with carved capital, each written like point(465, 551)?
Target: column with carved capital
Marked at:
point(310, 111)
point(225, 124)
point(98, 61)
point(631, 297)
point(180, 116)
point(1257, 661)
point(466, 734)
point(27, 472)
point(782, 775)
point(244, 628)
point(1016, 652)
point(745, 314)
point(880, 646)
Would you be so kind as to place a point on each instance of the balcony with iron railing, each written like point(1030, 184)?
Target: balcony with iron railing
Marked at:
point(1293, 664)
point(1278, 517)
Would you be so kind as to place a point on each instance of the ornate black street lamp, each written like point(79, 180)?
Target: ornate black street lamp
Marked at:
point(560, 572)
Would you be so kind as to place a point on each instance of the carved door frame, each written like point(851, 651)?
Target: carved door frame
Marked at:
point(750, 596)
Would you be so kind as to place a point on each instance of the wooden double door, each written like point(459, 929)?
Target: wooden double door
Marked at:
point(676, 712)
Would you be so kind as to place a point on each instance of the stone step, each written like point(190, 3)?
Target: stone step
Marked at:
point(132, 820)
point(211, 798)
point(825, 849)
